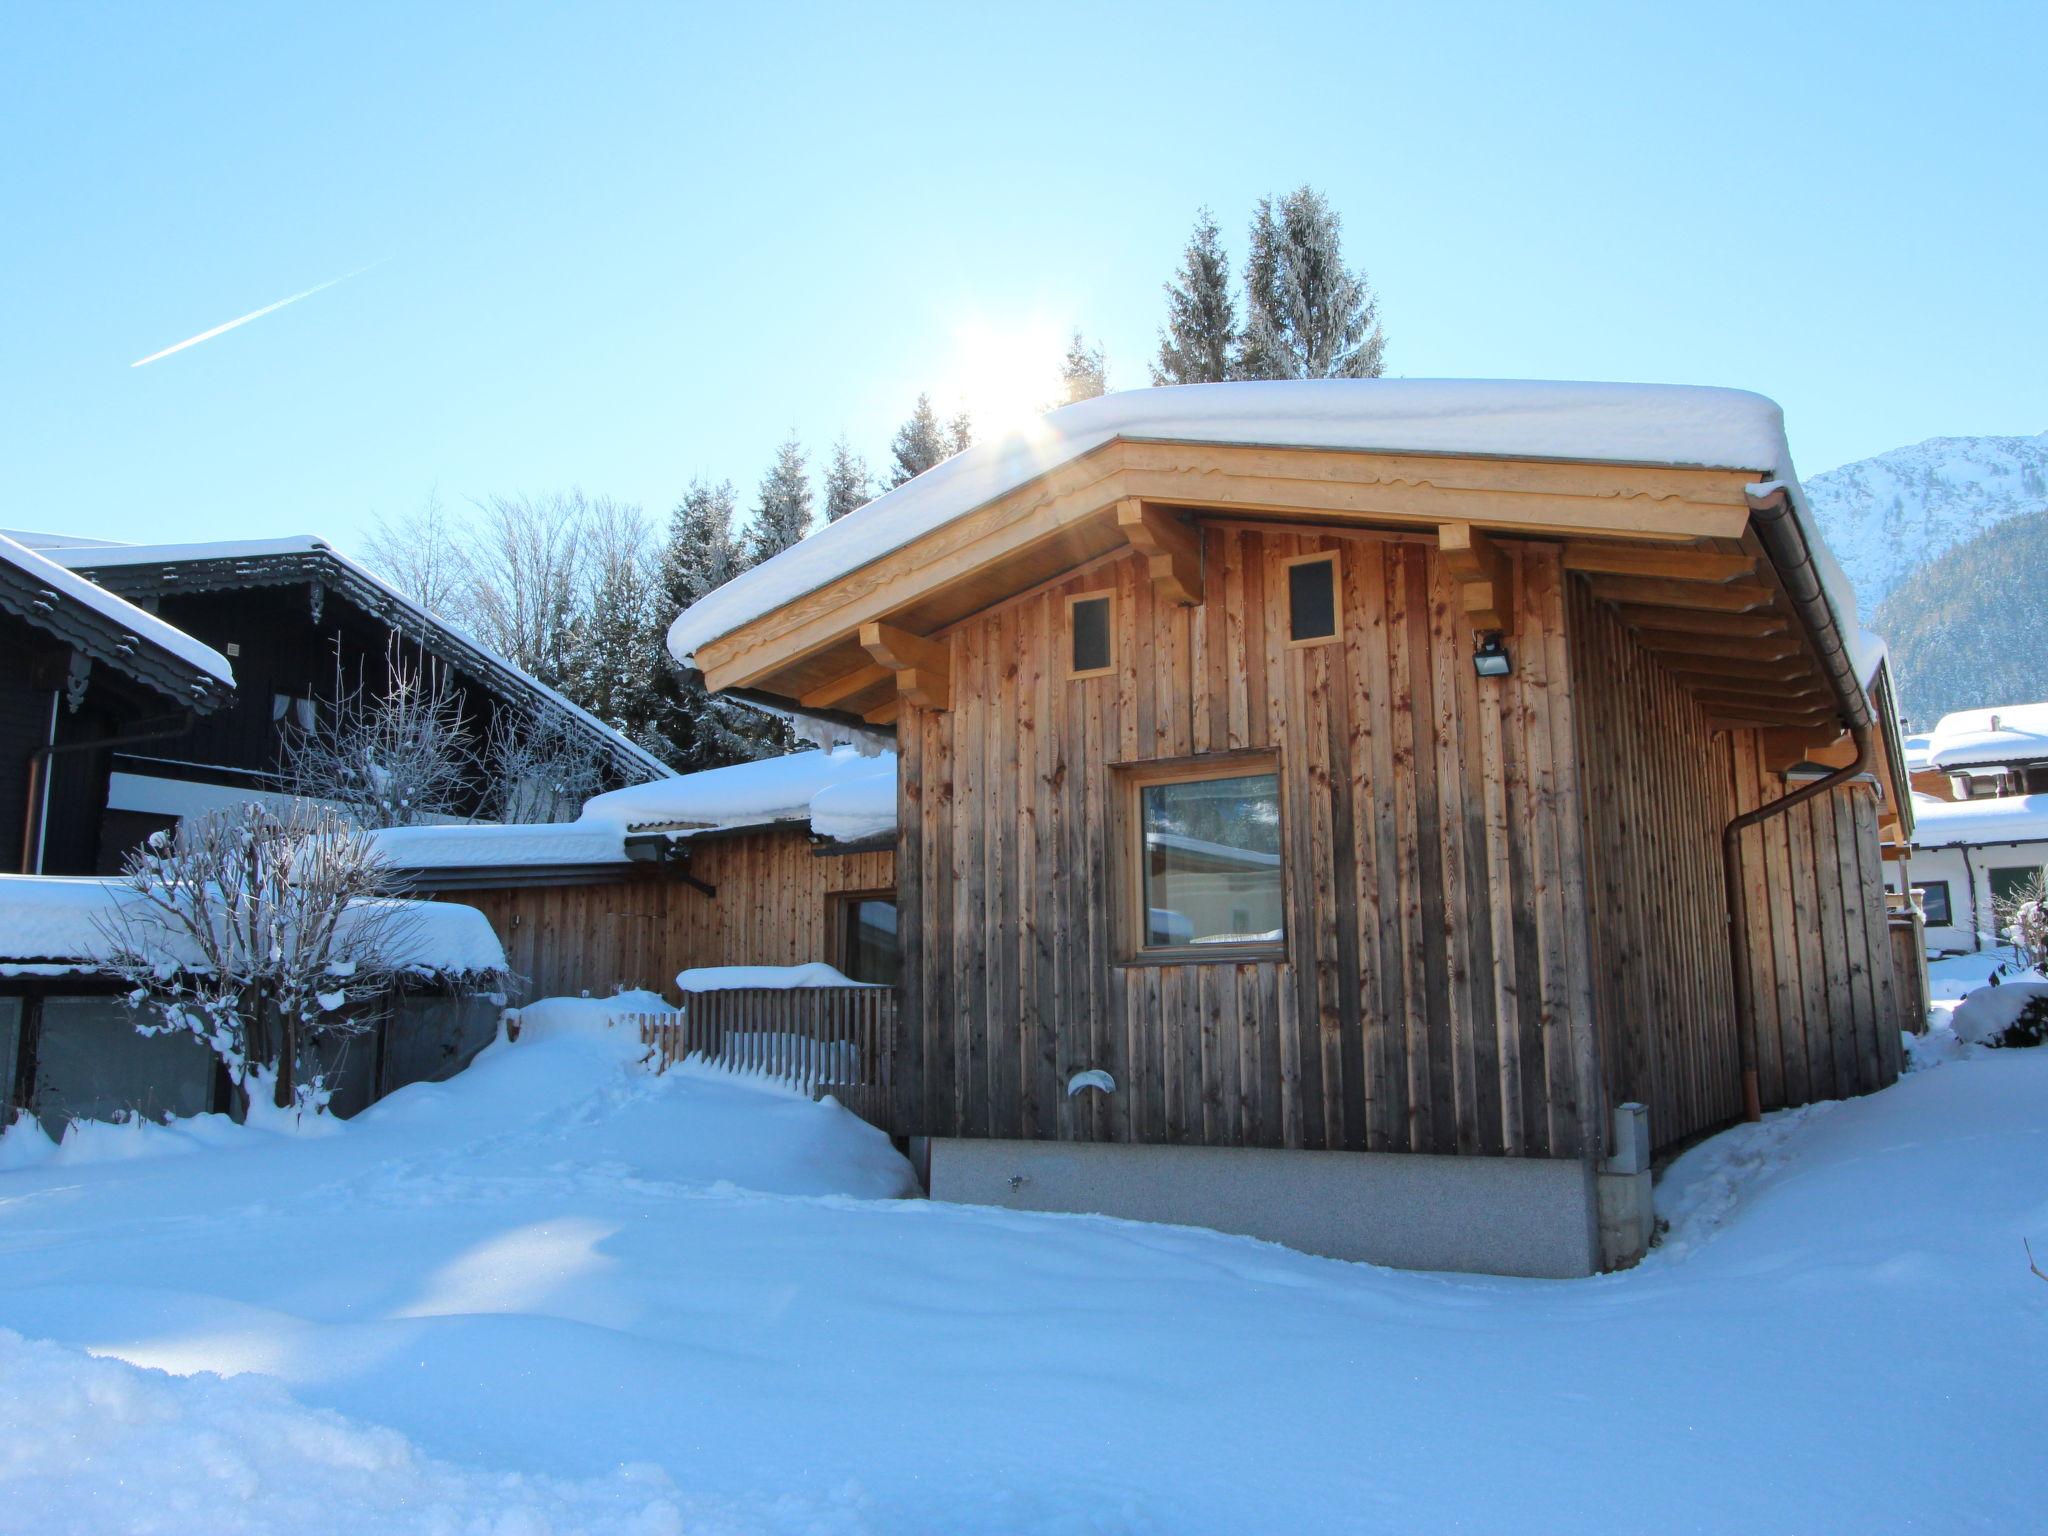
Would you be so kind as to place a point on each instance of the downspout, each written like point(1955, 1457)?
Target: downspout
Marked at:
point(1784, 541)
point(39, 787)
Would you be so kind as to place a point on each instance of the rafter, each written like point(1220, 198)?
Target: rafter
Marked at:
point(1704, 623)
point(840, 689)
point(1679, 643)
point(1172, 550)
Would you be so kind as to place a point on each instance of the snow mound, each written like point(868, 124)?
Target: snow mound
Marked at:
point(1986, 1014)
point(549, 1016)
point(728, 978)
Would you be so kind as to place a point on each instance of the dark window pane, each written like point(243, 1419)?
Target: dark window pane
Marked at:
point(1312, 600)
point(1212, 861)
point(92, 1064)
point(1934, 902)
point(1091, 634)
point(2014, 883)
point(868, 944)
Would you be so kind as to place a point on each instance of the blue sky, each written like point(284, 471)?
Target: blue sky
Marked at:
point(619, 246)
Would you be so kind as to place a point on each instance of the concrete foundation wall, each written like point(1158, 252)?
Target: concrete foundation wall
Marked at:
point(1487, 1215)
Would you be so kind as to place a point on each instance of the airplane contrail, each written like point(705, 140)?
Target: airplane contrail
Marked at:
point(257, 314)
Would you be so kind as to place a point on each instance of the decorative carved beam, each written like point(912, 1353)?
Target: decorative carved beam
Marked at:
point(1616, 559)
point(843, 688)
point(923, 668)
point(1485, 576)
point(1786, 748)
point(1172, 550)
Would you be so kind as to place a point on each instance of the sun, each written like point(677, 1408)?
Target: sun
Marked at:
point(1005, 375)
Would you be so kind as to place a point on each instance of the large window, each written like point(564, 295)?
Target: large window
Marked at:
point(1204, 849)
point(1933, 897)
point(866, 944)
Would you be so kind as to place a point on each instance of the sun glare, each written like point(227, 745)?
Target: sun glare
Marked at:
point(1005, 376)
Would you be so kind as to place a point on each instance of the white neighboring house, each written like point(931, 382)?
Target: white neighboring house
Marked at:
point(1980, 812)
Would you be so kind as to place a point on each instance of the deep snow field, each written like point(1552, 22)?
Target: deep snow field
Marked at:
point(559, 1294)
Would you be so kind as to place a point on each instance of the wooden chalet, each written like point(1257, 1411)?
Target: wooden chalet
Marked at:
point(1368, 814)
point(297, 621)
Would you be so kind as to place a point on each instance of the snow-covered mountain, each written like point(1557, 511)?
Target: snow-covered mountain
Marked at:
point(1887, 516)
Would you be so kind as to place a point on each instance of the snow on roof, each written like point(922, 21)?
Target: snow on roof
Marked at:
point(509, 846)
point(1662, 424)
point(1918, 746)
point(90, 555)
point(771, 790)
point(2004, 734)
point(1953, 823)
point(117, 610)
point(53, 925)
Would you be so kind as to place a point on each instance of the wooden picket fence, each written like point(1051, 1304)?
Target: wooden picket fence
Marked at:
point(824, 1041)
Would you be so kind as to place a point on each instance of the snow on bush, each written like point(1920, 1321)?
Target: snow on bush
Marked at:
point(2015, 1014)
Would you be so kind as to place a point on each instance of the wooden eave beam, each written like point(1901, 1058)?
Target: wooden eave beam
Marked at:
point(840, 689)
point(1786, 746)
point(1743, 668)
point(1485, 576)
point(1731, 597)
point(1172, 550)
point(923, 668)
point(1695, 621)
point(1612, 558)
point(1679, 643)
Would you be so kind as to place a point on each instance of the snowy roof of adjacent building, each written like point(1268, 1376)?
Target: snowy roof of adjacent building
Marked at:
point(1657, 424)
point(360, 585)
point(2008, 733)
point(52, 585)
point(54, 926)
point(774, 789)
point(1917, 746)
point(491, 846)
point(1955, 823)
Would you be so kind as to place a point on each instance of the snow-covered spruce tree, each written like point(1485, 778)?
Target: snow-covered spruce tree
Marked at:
point(703, 553)
point(616, 636)
point(959, 432)
point(1307, 316)
point(1084, 372)
point(389, 755)
point(1199, 340)
point(783, 514)
point(846, 482)
point(263, 933)
point(918, 445)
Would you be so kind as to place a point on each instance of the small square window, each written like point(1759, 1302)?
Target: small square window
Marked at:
point(1205, 859)
point(1311, 599)
point(1933, 895)
point(1091, 642)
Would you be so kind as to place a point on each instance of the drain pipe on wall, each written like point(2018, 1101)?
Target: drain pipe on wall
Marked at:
point(40, 763)
point(1778, 529)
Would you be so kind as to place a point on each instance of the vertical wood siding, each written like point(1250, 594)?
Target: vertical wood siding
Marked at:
point(1436, 991)
point(770, 910)
point(1659, 787)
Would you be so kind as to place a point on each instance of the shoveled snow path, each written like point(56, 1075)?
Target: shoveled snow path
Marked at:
point(585, 1299)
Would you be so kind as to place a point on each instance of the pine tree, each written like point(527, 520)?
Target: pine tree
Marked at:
point(703, 553)
point(1084, 373)
point(1307, 316)
point(1197, 343)
point(846, 482)
point(959, 432)
point(617, 632)
point(919, 444)
point(783, 514)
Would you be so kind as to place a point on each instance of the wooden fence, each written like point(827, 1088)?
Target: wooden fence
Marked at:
point(824, 1041)
point(1909, 960)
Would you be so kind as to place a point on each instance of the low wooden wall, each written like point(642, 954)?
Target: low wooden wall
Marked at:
point(771, 909)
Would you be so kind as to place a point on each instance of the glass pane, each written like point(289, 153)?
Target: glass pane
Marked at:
point(1312, 600)
point(1934, 903)
point(1091, 634)
point(1212, 861)
point(91, 1064)
point(870, 948)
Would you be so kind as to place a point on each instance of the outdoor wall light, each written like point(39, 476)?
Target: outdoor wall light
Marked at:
point(1488, 657)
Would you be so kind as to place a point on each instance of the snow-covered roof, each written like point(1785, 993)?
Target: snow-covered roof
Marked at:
point(51, 925)
point(1918, 745)
point(2007, 733)
point(2005, 819)
point(490, 846)
point(64, 586)
point(90, 555)
point(1656, 424)
point(775, 789)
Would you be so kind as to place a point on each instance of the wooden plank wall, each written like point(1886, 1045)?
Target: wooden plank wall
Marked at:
point(1436, 993)
point(1659, 787)
point(770, 910)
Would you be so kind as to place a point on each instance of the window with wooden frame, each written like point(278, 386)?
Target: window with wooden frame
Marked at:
point(865, 946)
point(1091, 634)
point(1933, 898)
point(1314, 615)
point(1202, 874)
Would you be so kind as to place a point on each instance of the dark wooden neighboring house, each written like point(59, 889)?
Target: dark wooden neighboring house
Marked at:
point(82, 674)
point(298, 621)
point(1479, 681)
point(725, 867)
